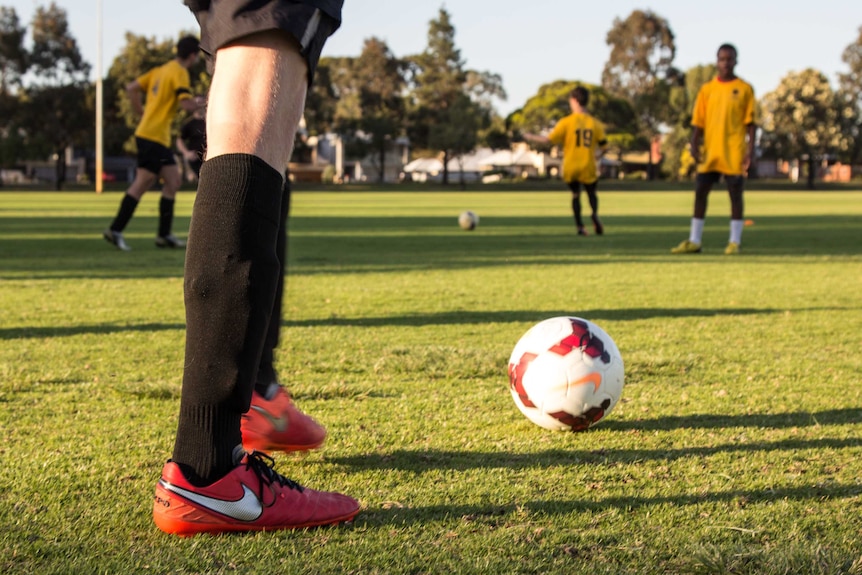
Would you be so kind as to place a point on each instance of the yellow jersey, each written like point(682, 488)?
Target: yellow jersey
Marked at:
point(580, 135)
point(723, 110)
point(163, 87)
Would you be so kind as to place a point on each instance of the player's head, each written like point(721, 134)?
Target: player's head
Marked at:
point(726, 61)
point(188, 46)
point(580, 95)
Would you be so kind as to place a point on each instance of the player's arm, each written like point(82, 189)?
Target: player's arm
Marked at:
point(698, 121)
point(749, 149)
point(191, 103)
point(182, 91)
point(751, 129)
point(694, 144)
point(602, 143)
point(136, 96)
point(556, 136)
point(537, 138)
point(601, 150)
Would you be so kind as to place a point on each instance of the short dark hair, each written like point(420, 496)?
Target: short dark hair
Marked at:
point(730, 47)
point(186, 46)
point(580, 95)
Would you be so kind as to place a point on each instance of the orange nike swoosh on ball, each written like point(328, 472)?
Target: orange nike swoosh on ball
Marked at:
point(594, 378)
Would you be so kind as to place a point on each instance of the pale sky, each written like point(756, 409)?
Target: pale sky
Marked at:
point(533, 42)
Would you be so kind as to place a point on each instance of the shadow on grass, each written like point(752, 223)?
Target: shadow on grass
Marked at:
point(73, 330)
point(418, 320)
point(72, 247)
point(497, 513)
point(518, 316)
point(422, 461)
point(713, 421)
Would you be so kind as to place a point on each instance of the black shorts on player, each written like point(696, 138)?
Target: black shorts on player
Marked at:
point(310, 22)
point(152, 156)
point(712, 178)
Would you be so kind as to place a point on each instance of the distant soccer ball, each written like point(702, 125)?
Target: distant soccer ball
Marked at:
point(468, 220)
point(566, 374)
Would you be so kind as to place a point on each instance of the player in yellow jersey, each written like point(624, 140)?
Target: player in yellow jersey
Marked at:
point(723, 117)
point(582, 138)
point(156, 96)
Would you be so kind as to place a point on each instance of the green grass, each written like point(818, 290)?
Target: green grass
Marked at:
point(736, 447)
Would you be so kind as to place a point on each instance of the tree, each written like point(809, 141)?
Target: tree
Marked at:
point(13, 55)
point(642, 50)
point(850, 97)
point(59, 114)
point(13, 65)
point(640, 63)
point(360, 98)
point(495, 135)
point(439, 79)
point(456, 131)
point(381, 104)
point(551, 103)
point(322, 98)
point(801, 119)
point(483, 89)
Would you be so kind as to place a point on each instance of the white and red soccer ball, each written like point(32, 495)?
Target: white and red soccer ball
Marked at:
point(566, 374)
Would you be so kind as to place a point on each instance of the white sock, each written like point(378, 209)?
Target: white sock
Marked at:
point(696, 233)
point(736, 231)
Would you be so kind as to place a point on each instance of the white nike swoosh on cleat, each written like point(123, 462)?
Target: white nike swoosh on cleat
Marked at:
point(247, 508)
point(279, 423)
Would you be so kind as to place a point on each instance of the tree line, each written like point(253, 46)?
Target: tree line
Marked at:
point(444, 108)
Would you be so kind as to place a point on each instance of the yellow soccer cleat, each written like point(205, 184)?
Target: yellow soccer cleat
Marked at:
point(732, 249)
point(686, 247)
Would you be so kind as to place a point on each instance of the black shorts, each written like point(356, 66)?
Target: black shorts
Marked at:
point(575, 186)
point(152, 156)
point(309, 22)
point(711, 178)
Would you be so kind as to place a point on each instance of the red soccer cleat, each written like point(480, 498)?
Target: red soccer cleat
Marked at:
point(278, 425)
point(252, 497)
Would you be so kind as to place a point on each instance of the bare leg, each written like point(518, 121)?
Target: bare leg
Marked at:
point(256, 99)
point(144, 180)
point(701, 195)
point(737, 205)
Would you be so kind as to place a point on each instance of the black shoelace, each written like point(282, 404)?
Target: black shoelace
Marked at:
point(262, 465)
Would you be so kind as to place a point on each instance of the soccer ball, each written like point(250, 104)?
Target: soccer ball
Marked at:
point(468, 220)
point(566, 374)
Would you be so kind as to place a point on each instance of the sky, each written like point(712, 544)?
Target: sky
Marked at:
point(530, 43)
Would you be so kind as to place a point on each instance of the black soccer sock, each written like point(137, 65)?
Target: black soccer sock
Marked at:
point(231, 277)
point(576, 210)
point(593, 198)
point(266, 374)
point(166, 216)
point(125, 213)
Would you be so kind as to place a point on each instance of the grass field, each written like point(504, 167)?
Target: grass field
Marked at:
point(736, 447)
